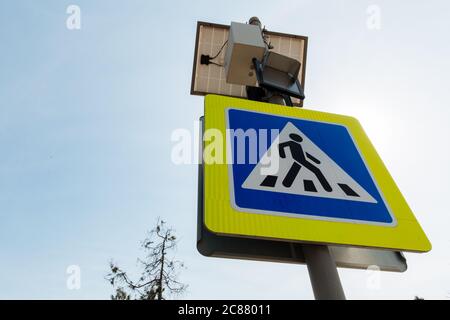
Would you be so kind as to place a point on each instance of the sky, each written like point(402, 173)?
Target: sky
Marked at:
point(86, 117)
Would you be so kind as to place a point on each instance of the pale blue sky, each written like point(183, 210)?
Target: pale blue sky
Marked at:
point(86, 118)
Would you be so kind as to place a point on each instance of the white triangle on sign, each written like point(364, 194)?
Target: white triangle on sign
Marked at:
point(314, 173)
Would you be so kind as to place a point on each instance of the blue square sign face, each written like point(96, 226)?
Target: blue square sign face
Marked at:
point(300, 168)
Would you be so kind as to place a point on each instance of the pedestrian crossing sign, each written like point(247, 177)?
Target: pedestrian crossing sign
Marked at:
point(299, 175)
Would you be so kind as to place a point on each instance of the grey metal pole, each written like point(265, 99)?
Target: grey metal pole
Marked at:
point(322, 268)
point(323, 273)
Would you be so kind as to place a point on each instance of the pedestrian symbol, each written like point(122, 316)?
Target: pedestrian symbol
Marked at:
point(304, 169)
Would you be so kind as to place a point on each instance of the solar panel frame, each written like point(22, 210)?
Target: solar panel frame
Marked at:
point(230, 89)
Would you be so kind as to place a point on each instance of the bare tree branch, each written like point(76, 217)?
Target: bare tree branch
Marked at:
point(159, 274)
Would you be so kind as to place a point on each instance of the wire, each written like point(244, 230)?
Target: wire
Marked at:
point(207, 60)
point(216, 64)
point(218, 53)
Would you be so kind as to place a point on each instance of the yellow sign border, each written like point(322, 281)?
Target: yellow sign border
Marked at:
point(221, 218)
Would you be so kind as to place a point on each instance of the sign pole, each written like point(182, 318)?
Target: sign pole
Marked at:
point(322, 269)
point(323, 273)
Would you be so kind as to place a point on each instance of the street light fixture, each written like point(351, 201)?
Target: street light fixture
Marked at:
point(278, 74)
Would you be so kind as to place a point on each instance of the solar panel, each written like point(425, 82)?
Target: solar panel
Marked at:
point(211, 78)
